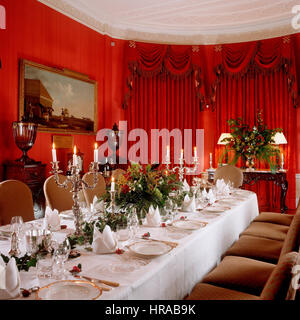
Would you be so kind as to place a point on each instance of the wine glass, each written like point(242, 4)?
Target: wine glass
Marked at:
point(62, 250)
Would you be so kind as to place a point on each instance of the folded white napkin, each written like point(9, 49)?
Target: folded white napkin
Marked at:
point(9, 279)
point(222, 188)
point(104, 242)
point(97, 205)
point(51, 220)
point(211, 197)
point(153, 217)
point(189, 204)
point(186, 186)
point(204, 193)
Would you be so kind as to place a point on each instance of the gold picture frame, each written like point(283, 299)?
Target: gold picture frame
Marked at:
point(59, 100)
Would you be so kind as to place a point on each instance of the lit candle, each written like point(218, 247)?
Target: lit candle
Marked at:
point(96, 153)
point(210, 157)
point(168, 154)
point(112, 184)
point(282, 160)
point(54, 159)
point(75, 157)
point(181, 155)
point(195, 152)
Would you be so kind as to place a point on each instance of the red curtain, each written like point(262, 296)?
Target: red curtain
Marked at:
point(255, 77)
point(166, 92)
point(170, 86)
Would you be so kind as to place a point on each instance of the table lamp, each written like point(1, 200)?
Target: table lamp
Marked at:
point(222, 142)
point(279, 138)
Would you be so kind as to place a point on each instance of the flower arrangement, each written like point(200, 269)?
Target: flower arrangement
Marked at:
point(143, 186)
point(250, 143)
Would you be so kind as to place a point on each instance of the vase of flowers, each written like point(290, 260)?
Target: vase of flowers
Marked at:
point(251, 143)
point(141, 187)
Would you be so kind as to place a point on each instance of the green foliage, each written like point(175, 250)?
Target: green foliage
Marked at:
point(255, 142)
point(141, 187)
point(23, 263)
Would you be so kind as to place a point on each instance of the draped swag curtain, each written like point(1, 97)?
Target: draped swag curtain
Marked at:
point(169, 86)
point(257, 77)
point(165, 91)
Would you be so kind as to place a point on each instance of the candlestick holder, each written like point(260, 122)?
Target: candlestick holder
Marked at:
point(14, 247)
point(74, 179)
point(282, 166)
point(113, 198)
point(182, 170)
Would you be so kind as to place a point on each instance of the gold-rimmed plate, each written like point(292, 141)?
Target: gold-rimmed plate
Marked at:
point(69, 290)
point(149, 248)
point(189, 224)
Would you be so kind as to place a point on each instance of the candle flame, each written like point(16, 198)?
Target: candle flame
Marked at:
point(53, 146)
point(96, 146)
point(75, 149)
point(112, 179)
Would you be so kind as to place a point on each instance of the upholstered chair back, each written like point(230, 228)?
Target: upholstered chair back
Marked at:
point(229, 173)
point(117, 173)
point(57, 197)
point(278, 285)
point(15, 200)
point(98, 191)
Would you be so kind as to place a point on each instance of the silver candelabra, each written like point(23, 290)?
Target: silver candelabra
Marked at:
point(74, 179)
point(182, 170)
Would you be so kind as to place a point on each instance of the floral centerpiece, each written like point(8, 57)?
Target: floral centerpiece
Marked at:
point(143, 186)
point(251, 143)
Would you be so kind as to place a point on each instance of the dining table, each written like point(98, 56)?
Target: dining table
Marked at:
point(195, 242)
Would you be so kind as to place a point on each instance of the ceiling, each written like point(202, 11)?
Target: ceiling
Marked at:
point(183, 21)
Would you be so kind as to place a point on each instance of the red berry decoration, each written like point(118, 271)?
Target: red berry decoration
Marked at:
point(26, 293)
point(119, 251)
point(146, 235)
point(163, 225)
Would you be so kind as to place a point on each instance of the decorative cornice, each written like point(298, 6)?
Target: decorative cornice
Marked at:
point(213, 35)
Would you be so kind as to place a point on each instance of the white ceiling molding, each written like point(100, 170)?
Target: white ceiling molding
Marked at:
point(191, 22)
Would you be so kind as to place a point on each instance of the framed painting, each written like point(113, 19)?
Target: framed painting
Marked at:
point(57, 100)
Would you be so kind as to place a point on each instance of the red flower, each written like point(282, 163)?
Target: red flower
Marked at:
point(125, 189)
point(119, 251)
point(182, 218)
point(76, 269)
point(63, 226)
point(163, 225)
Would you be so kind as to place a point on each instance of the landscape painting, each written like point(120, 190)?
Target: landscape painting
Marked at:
point(58, 100)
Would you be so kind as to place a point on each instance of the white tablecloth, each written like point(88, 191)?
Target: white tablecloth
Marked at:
point(173, 275)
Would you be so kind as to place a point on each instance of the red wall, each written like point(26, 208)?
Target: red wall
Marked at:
point(37, 33)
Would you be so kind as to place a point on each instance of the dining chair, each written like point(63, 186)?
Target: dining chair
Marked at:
point(15, 200)
point(98, 191)
point(57, 197)
point(117, 173)
point(229, 173)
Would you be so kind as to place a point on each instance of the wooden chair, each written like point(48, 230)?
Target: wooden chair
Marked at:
point(15, 200)
point(57, 197)
point(98, 191)
point(229, 173)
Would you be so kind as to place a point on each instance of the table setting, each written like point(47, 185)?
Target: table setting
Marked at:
point(142, 239)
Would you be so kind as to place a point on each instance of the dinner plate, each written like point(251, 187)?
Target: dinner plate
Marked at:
point(69, 290)
point(188, 224)
point(214, 210)
point(149, 248)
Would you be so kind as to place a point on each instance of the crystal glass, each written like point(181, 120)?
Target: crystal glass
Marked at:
point(169, 207)
point(62, 250)
point(122, 232)
point(24, 134)
point(45, 266)
point(16, 224)
point(133, 223)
